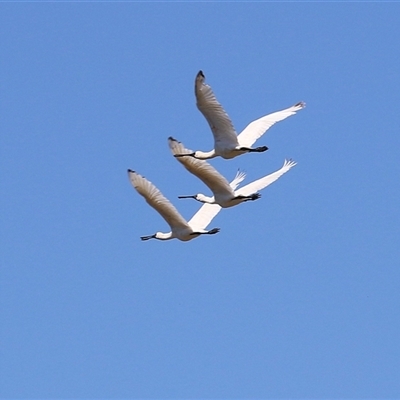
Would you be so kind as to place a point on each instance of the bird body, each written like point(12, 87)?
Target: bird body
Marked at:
point(180, 228)
point(227, 144)
point(225, 194)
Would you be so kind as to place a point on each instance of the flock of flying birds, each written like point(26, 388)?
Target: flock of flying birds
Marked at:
point(227, 144)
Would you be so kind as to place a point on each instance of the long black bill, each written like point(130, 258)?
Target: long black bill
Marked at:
point(184, 155)
point(187, 197)
point(148, 237)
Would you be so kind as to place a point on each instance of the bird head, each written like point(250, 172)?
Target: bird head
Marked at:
point(149, 237)
point(199, 197)
point(158, 235)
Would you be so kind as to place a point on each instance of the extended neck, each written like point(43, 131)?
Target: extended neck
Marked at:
point(199, 197)
point(159, 236)
point(204, 155)
point(164, 236)
point(205, 199)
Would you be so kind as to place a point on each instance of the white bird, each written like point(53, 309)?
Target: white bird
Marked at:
point(227, 143)
point(225, 194)
point(180, 229)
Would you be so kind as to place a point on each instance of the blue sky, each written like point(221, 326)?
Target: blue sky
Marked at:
point(296, 297)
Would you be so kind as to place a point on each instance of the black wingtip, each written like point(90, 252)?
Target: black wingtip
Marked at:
point(200, 73)
point(301, 104)
point(130, 171)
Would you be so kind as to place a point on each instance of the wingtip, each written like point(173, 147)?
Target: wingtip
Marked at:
point(175, 146)
point(130, 171)
point(289, 162)
point(300, 105)
point(200, 78)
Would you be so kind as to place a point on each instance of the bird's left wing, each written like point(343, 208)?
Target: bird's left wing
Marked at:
point(266, 180)
point(257, 128)
point(200, 168)
point(218, 119)
point(157, 200)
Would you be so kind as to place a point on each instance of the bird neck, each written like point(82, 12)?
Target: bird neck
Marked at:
point(204, 155)
point(163, 236)
point(205, 199)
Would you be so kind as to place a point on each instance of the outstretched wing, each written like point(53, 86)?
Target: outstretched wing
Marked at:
point(204, 216)
point(200, 168)
point(257, 128)
point(237, 179)
point(157, 200)
point(219, 121)
point(207, 212)
point(266, 180)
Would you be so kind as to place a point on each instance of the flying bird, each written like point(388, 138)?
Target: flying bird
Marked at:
point(225, 194)
point(227, 143)
point(180, 229)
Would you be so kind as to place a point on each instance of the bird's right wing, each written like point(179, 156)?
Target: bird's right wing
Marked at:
point(237, 179)
point(204, 216)
point(219, 121)
point(207, 212)
point(200, 168)
point(157, 200)
point(266, 180)
point(257, 128)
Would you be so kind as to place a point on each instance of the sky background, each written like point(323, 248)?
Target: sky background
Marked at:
point(296, 297)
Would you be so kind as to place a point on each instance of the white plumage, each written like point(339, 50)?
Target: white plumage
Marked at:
point(180, 229)
point(225, 194)
point(227, 143)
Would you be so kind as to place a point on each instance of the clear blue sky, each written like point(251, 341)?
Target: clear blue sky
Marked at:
point(296, 297)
